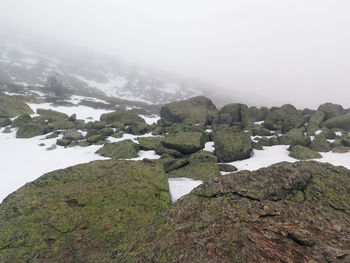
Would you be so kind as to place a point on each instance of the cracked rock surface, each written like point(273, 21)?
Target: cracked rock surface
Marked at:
point(284, 213)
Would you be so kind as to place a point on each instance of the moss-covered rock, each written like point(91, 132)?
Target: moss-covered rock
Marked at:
point(320, 144)
point(11, 107)
point(77, 214)
point(126, 117)
point(285, 213)
point(138, 128)
point(261, 132)
point(255, 114)
point(293, 121)
point(63, 142)
point(149, 143)
point(124, 149)
point(341, 149)
point(73, 135)
point(295, 137)
point(196, 110)
point(107, 131)
point(224, 167)
point(93, 139)
point(185, 142)
point(160, 150)
point(22, 120)
point(303, 153)
point(277, 115)
point(170, 163)
point(331, 110)
point(197, 171)
point(231, 146)
point(52, 115)
point(5, 122)
point(233, 113)
point(31, 130)
point(202, 157)
point(341, 122)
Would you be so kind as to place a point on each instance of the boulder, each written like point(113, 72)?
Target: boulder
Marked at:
point(77, 214)
point(231, 146)
point(124, 149)
point(22, 120)
point(296, 212)
point(331, 110)
point(233, 113)
point(320, 144)
point(170, 163)
point(227, 168)
point(202, 157)
point(11, 107)
point(126, 117)
point(341, 122)
point(295, 137)
point(277, 115)
point(303, 153)
point(185, 142)
point(73, 135)
point(52, 115)
point(31, 130)
point(5, 122)
point(93, 139)
point(149, 143)
point(341, 149)
point(63, 142)
point(197, 171)
point(255, 114)
point(196, 110)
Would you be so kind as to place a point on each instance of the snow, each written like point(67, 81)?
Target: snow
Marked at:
point(181, 186)
point(75, 99)
point(209, 146)
point(318, 132)
point(259, 122)
point(25, 161)
point(336, 159)
point(338, 133)
point(83, 112)
point(150, 120)
point(146, 155)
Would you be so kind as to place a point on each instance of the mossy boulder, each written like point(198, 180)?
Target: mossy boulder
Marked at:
point(295, 137)
point(149, 143)
point(125, 117)
point(296, 212)
point(185, 142)
point(138, 128)
point(31, 130)
point(106, 131)
point(320, 144)
point(303, 153)
point(160, 150)
point(314, 123)
point(197, 171)
point(196, 110)
point(73, 135)
point(170, 163)
point(341, 149)
point(293, 121)
point(341, 122)
point(124, 149)
point(277, 115)
point(257, 114)
point(77, 214)
point(5, 122)
point(331, 110)
point(227, 168)
point(232, 114)
point(93, 139)
point(22, 120)
point(231, 145)
point(202, 157)
point(63, 142)
point(261, 132)
point(11, 107)
point(51, 115)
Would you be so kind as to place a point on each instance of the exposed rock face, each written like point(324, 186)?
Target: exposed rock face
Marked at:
point(285, 213)
point(231, 145)
point(123, 149)
point(196, 110)
point(77, 214)
point(303, 153)
point(11, 107)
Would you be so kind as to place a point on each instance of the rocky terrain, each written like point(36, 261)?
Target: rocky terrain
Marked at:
point(131, 204)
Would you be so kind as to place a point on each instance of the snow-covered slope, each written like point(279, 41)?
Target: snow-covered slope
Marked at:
point(24, 65)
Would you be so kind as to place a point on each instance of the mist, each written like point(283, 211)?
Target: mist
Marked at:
point(260, 52)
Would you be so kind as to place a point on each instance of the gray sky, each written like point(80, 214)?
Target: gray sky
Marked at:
point(258, 51)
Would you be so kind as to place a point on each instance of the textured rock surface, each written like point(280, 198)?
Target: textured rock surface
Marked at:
point(192, 111)
point(303, 153)
point(123, 149)
point(231, 146)
point(11, 107)
point(285, 213)
point(185, 142)
point(76, 214)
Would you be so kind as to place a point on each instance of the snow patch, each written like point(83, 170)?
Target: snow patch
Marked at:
point(181, 186)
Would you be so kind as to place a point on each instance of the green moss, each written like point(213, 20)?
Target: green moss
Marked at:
point(303, 153)
point(11, 107)
point(197, 171)
point(185, 142)
point(123, 149)
point(77, 214)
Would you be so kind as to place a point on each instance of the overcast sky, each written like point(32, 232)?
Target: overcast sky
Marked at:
point(261, 51)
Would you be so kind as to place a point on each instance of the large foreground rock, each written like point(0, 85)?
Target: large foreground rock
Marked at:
point(196, 110)
point(285, 213)
point(11, 107)
point(77, 214)
point(231, 145)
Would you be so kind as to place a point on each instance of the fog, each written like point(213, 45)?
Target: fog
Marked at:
point(260, 52)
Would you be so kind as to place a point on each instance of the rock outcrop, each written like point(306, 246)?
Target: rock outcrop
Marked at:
point(285, 213)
